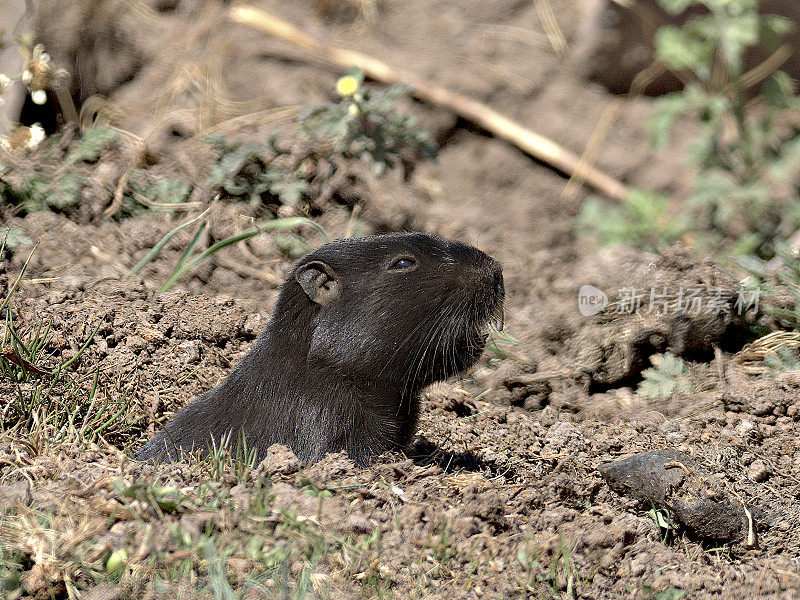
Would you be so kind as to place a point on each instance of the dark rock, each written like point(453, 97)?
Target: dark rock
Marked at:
point(671, 479)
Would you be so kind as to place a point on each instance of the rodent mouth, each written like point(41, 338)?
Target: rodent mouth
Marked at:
point(495, 322)
point(498, 318)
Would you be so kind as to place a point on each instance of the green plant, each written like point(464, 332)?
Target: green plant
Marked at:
point(442, 549)
point(92, 144)
point(741, 151)
point(779, 291)
point(502, 345)
point(776, 286)
point(158, 192)
point(305, 171)
point(190, 258)
point(547, 581)
point(163, 498)
point(663, 520)
point(218, 579)
point(643, 220)
point(50, 400)
point(13, 237)
point(240, 459)
point(668, 375)
point(366, 125)
point(12, 566)
point(58, 180)
point(746, 194)
point(668, 594)
point(783, 359)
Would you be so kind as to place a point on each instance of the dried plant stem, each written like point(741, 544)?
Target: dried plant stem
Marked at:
point(500, 126)
point(603, 128)
point(551, 27)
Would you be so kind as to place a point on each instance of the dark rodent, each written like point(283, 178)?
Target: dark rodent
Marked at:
point(360, 327)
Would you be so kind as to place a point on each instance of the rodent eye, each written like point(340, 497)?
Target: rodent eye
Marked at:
point(403, 263)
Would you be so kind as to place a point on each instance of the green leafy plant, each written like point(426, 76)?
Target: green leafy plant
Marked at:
point(642, 220)
point(159, 192)
point(13, 237)
point(746, 154)
point(93, 143)
point(668, 375)
point(742, 151)
point(58, 181)
point(776, 323)
point(777, 287)
point(162, 498)
point(304, 169)
point(668, 594)
point(367, 125)
point(665, 523)
point(249, 172)
point(783, 359)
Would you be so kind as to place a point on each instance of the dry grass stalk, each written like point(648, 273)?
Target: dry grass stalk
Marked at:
point(551, 27)
point(751, 358)
point(603, 128)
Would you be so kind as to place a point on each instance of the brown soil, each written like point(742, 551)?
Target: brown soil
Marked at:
point(500, 497)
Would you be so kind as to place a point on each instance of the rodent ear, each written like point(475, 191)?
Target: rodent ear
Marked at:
point(319, 282)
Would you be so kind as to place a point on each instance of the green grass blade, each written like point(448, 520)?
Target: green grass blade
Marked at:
point(259, 228)
point(164, 241)
point(187, 252)
point(80, 350)
point(19, 278)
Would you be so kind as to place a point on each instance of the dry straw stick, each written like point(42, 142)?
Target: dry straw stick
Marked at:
point(533, 144)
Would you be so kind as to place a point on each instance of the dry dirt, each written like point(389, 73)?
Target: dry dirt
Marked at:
point(500, 496)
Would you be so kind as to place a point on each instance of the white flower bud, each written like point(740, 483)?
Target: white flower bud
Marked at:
point(39, 97)
point(37, 135)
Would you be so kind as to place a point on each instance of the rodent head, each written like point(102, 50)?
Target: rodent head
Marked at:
point(403, 309)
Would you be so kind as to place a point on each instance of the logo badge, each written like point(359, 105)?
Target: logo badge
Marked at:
point(591, 300)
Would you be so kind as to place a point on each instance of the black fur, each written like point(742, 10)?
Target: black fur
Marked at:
point(344, 370)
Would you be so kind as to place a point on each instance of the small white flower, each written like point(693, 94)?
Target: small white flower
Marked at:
point(37, 135)
point(5, 81)
point(26, 76)
point(4, 143)
point(39, 97)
